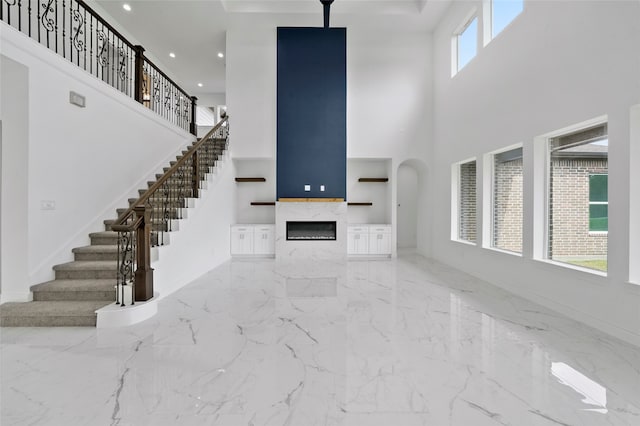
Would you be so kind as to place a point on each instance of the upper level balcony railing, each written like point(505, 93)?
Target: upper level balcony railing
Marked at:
point(77, 33)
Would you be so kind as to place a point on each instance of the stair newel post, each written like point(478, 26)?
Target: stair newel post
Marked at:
point(144, 273)
point(139, 74)
point(192, 127)
point(195, 178)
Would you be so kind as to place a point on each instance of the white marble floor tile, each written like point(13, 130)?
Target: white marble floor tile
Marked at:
point(398, 342)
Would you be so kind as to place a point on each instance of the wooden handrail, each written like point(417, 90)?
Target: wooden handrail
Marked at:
point(147, 60)
point(119, 225)
point(105, 23)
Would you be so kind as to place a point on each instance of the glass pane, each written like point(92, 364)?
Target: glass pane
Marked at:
point(507, 200)
point(467, 202)
point(578, 200)
point(503, 12)
point(598, 188)
point(598, 217)
point(468, 44)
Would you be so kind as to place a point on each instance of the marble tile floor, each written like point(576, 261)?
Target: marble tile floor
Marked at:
point(398, 342)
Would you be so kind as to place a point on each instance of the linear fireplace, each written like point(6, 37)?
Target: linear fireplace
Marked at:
point(311, 231)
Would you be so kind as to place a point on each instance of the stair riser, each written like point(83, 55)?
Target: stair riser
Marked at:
point(48, 296)
point(80, 321)
point(104, 241)
point(96, 256)
point(86, 275)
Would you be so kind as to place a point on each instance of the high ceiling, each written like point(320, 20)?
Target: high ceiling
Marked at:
point(196, 30)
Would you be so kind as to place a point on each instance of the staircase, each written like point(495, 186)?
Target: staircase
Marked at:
point(88, 283)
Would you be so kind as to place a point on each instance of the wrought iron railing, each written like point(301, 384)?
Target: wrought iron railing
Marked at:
point(77, 33)
point(146, 223)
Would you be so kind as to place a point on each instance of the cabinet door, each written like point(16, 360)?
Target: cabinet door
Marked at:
point(379, 242)
point(264, 241)
point(358, 243)
point(241, 240)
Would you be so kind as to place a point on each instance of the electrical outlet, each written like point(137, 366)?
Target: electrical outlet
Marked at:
point(307, 188)
point(321, 188)
point(47, 205)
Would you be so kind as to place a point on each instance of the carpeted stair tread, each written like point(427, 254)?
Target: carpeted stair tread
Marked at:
point(50, 313)
point(96, 249)
point(87, 265)
point(75, 285)
point(76, 290)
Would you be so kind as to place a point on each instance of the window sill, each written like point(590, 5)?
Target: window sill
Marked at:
point(499, 250)
point(592, 272)
point(465, 242)
point(633, 287)
point(598, 233)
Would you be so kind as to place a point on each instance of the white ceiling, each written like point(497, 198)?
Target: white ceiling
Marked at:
point(196, 30)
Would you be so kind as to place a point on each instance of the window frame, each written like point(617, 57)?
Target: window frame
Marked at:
point(455, 42)
point(456, 204)
point(542, 193)
point(487, 21)
point(490, 199)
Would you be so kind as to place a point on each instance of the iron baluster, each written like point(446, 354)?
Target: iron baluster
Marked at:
point(78, 44)
point(19, 15)
point(46, 20)
point(64, 32)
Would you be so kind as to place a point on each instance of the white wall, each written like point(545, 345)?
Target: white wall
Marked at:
point(247, 192)
point(559, 63)
point(87, 160)
point(377, 193)
point(14, 151)
point(203, 241)
point(389, 93)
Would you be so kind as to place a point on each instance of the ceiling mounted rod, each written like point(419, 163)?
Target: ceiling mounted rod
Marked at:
point(326, 5)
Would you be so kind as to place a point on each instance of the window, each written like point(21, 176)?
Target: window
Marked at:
point(498, 14)
point(465, 44)
point(467, 202)
point(578, 198)
point(506, 221)
point(598, 203)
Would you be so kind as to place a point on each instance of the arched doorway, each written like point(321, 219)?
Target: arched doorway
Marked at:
point(407, 214)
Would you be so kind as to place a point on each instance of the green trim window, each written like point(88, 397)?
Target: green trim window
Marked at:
point(598, 203)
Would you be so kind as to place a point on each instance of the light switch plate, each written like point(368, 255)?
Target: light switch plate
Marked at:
point(321, 188)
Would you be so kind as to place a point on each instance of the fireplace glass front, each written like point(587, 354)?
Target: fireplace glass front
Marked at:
point(311, 231)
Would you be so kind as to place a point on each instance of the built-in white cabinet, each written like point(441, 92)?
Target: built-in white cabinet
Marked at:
point(357, 240)
point(371, 240)
point(250, 240)
point(264, 239)
point(380, 239)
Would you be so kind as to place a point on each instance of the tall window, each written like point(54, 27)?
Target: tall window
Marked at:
point(507, 201)
point(466, 43)
point(498, 14)
point(578, 198)
point(467, 202)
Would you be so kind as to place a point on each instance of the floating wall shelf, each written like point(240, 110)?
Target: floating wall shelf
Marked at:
point(359, 204)
point(250, 179)
point(373, 180)
point(263, 203)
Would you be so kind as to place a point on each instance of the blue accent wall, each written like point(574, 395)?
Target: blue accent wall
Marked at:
point(312, 112)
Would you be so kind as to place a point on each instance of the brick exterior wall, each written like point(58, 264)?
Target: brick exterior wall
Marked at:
point(507, 205)
point(569, 209)
point(467, 202)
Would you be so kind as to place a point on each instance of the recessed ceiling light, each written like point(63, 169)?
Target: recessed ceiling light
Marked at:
point(173, 55)
point(126, 7)
point(220, 55)
point(200, 84)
